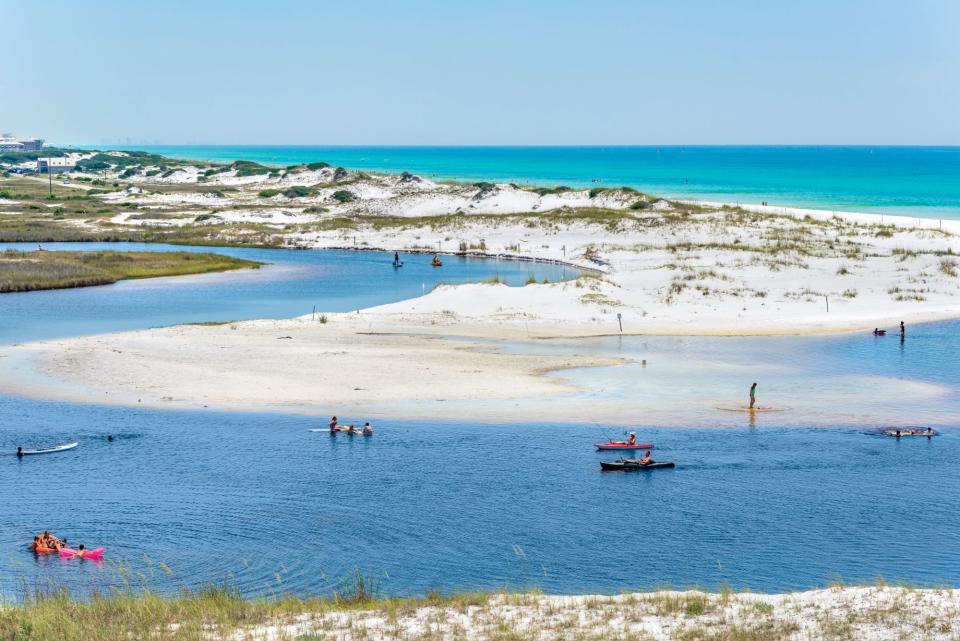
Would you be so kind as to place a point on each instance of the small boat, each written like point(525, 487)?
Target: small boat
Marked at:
point(622, 445)
point(632, 465)
point(93, 555)
point(436, 263)
point(47, 450)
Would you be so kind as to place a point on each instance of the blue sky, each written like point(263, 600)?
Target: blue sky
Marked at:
point(422, 72)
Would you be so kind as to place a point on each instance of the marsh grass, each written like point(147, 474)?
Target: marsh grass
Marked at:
point(28, 271)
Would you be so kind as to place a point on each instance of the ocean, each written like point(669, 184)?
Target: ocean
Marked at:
point(914, 181)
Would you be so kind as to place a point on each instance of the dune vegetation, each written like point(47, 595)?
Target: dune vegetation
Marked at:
point(354, 613)
point(27, 271)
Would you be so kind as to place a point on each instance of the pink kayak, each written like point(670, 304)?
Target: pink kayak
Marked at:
point(622, 445)
point(93, 555)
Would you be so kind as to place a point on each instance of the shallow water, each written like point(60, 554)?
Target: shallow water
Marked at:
point(258, 501)
point(917, 181)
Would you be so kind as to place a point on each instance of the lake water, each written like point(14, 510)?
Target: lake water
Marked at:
point(918, 181)
point(291, 284)
point(258, 501)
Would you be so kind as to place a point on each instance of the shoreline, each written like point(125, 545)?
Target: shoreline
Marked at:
point(489, 376)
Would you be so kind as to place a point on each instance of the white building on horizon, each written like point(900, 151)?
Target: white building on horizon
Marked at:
point(8, 142)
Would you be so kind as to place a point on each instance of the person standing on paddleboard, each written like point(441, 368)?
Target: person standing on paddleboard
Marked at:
point(753, 395)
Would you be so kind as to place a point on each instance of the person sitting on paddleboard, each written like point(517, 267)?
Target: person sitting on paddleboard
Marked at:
point(333, 425)
point(367, 430)
point(20, 452)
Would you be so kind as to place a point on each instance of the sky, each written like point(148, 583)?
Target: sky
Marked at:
point(455, 72)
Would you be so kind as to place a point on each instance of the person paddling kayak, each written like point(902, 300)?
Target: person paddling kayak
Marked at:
point(633, 439)
point(646, 460)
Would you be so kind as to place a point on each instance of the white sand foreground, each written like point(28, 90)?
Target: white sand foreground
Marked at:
point(863, 614)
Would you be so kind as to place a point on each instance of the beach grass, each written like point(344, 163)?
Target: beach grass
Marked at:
point(35, 270)
point(353, 611)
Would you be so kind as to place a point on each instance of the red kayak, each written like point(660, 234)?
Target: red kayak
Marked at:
point(622, 445)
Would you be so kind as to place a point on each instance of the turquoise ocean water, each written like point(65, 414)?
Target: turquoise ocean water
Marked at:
point(915, 181)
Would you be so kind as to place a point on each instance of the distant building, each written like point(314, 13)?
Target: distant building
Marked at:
point(9, 143)
point(55, 165)
point(31, 144)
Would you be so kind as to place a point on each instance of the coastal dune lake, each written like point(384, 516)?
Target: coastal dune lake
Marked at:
point(187, 498)
point(291, 283)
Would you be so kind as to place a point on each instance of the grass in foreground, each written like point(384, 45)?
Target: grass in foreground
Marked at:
point(28, 271)
point(879, 613)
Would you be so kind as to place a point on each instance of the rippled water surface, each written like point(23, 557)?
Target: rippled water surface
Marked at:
point(262, 502)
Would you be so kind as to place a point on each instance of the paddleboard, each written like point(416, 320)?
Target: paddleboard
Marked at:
point(50, 450)
point(905, 434)
point(759, 408)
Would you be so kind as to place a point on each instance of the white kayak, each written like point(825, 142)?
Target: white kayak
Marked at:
point(49, 450)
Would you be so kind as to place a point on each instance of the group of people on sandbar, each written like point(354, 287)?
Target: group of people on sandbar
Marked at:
point(335, 427)
point(46, 542)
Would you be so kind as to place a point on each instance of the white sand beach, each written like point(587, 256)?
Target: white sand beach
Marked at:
point(652, 267)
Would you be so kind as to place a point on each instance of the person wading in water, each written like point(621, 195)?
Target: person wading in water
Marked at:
point(753, 395)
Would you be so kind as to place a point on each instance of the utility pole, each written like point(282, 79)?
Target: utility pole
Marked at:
point(49, 179)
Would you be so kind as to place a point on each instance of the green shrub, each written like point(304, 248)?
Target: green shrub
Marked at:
point(268, 193)
point(298, 191)
point(640, 204)
point(343, 196)
point(316, 166)
point(544, 191)
point(249, 168)
point(90, 164)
